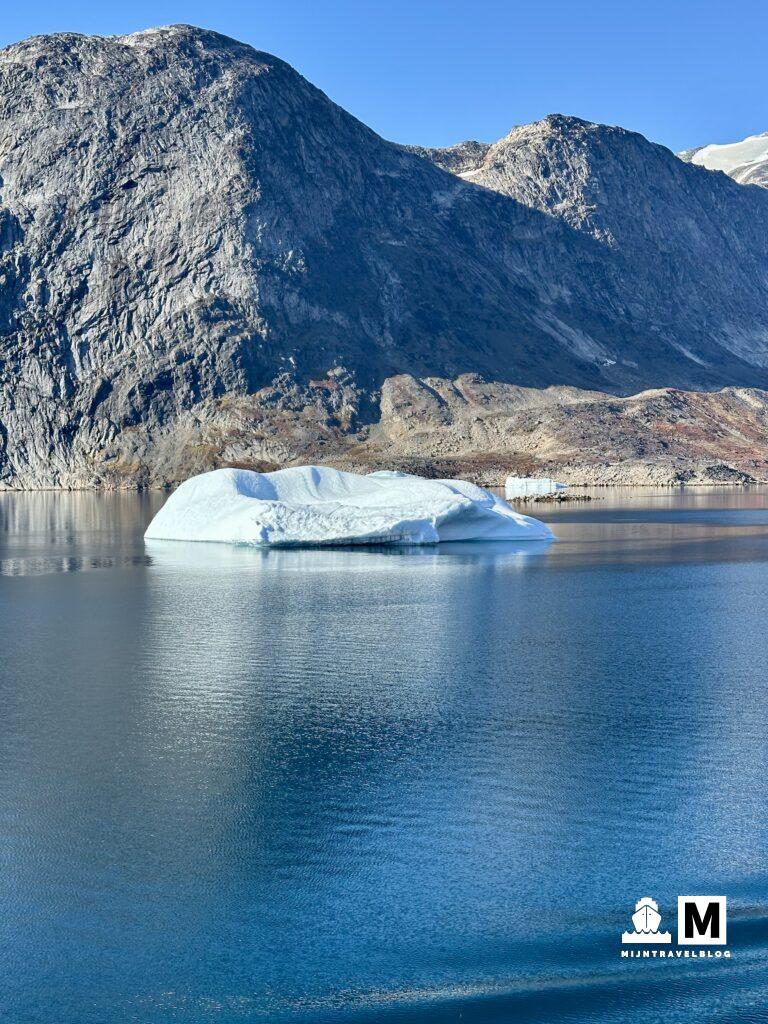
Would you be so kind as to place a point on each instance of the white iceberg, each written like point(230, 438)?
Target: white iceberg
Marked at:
point(521, 486)
point(316, 505)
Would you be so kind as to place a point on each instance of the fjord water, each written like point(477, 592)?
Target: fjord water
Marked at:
point(347, 785)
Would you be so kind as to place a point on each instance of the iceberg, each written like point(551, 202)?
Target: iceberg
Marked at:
point(521, 486)
point(309, 506)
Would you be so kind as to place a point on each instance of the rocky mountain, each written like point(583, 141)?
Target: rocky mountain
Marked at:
point(186, 223)
point(745, 161)
point(670, 230)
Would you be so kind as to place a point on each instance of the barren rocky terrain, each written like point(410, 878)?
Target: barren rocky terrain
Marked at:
point(464, 427)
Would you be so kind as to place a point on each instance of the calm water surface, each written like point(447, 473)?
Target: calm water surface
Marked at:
point(359, 786)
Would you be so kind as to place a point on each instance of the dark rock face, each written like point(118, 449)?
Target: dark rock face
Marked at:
point(184, 219)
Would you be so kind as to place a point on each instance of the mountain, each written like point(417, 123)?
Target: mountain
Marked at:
point(745, 161)
point(186, 222)
point(688, 259)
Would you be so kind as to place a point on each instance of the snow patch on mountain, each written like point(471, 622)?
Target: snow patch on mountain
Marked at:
point(745, 161)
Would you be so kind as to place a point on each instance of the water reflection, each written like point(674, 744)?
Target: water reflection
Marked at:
point(52, 532)
point(355, 558)
point(63, 533)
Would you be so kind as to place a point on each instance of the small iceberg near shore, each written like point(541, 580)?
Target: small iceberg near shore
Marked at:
point(309, 506)
point(526, 486)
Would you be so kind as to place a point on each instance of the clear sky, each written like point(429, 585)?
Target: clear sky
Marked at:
point(681, 72)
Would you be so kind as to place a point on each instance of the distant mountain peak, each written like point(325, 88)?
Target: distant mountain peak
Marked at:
point(745, 161)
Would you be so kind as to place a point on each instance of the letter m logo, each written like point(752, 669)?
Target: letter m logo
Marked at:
point(701, 920)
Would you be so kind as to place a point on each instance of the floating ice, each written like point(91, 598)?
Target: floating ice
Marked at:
point(520, 486)
point(315, 505)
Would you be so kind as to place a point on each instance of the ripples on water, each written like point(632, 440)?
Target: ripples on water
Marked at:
point(423, 785)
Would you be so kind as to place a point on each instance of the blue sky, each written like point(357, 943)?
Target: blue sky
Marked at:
point(421, 71)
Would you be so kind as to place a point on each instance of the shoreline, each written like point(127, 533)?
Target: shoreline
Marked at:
point(564, 496)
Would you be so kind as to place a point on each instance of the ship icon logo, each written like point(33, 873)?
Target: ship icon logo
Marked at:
point(646, 920)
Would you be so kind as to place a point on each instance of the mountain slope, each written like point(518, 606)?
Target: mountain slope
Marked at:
point(689, 247)
point(475, 429)
point(486, 431)
point(184, 218)
point(745, 161)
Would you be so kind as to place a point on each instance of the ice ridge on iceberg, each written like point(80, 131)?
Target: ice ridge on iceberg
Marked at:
point(316, 505)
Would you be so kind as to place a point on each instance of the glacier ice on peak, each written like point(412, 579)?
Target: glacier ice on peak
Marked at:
point(730, 155)
point(745, 161)
point(317, 505)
